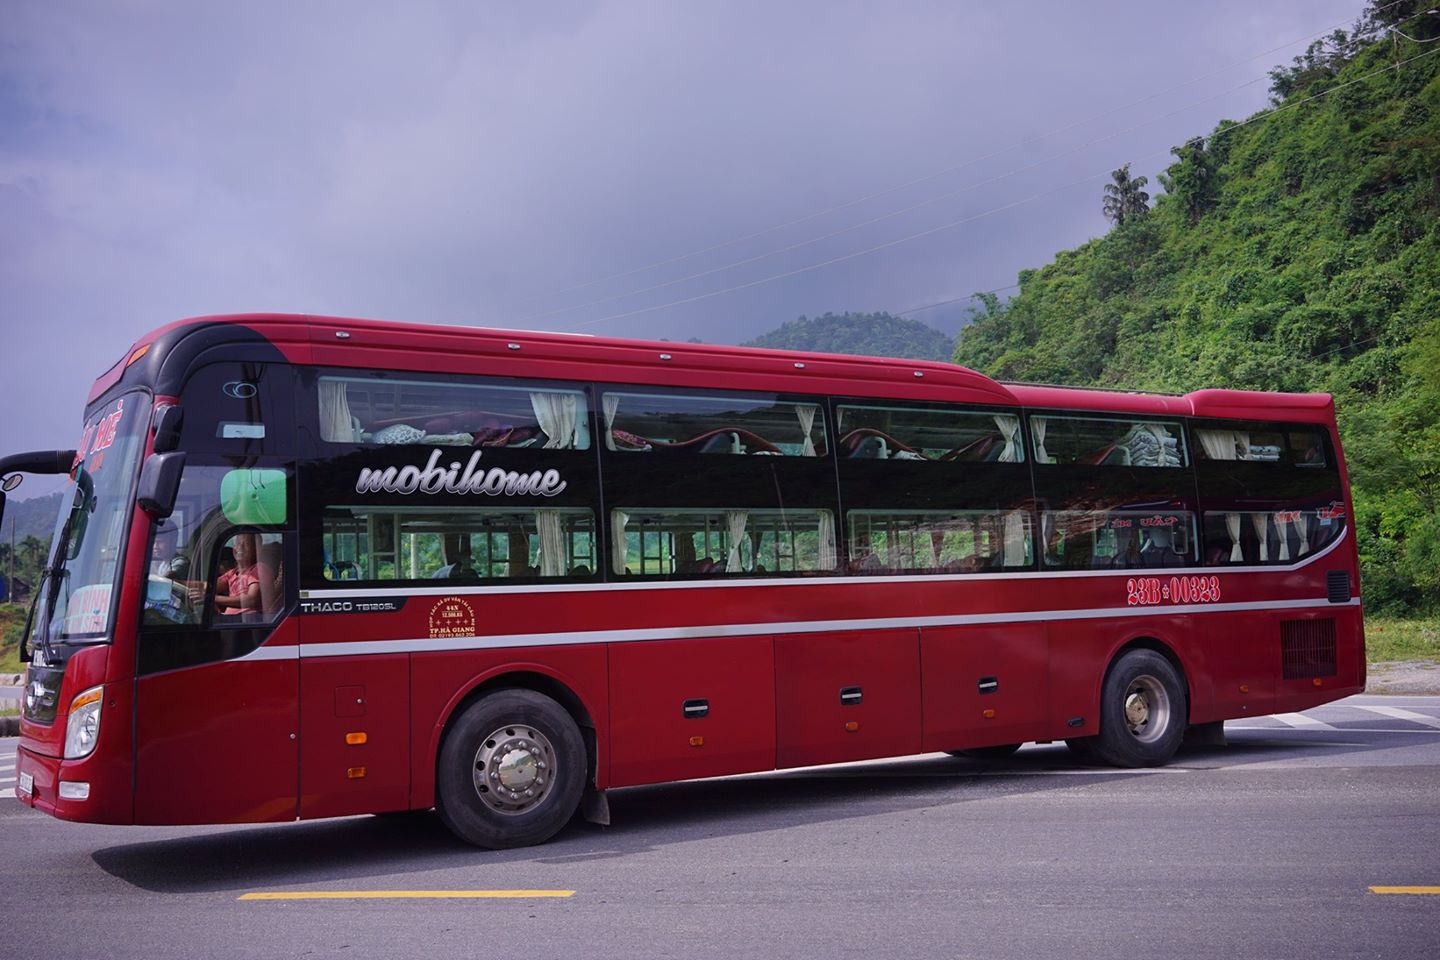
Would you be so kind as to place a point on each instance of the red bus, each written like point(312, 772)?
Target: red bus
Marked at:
point(314, 567)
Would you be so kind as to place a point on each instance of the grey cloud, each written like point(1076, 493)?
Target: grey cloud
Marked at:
point(457, 162)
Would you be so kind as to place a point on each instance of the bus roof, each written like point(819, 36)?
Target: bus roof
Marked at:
point(342, 341)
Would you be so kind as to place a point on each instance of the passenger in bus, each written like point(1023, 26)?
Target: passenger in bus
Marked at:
point(250, 584)
point(226, 565)
point(461, 568)
point(272, 557)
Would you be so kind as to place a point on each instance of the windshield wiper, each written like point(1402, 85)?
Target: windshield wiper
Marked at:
point(56, 573)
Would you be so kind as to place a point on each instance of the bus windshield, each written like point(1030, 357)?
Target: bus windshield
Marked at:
point(90, 531)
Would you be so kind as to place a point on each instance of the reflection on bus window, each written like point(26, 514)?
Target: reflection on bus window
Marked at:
point(457, 543)
point(464, 412)
point(702, 543)
point(927, 434)
point(958, 541)
point(1108, 443)
point(717, 422)
point(1269, 536)
point(1124, 539)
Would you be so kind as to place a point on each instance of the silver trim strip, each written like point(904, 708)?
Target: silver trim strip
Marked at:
point(453, 590)
point(431, 645)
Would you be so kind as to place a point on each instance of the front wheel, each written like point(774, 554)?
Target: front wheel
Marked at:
point(1142, 712)
point(511, 770)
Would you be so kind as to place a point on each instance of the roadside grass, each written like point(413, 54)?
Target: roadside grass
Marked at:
point(9, 711)
point(1392, 638)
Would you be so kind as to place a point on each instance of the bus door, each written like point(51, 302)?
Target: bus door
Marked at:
point(217, 669)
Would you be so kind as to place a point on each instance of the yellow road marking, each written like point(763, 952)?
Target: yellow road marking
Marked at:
point(1432, 890)
point(407, 895)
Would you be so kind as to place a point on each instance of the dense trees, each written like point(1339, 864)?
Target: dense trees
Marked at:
point(1299, 252)
point(870, 334)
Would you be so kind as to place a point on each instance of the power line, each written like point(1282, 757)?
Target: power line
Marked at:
point(992, 211)
point(931, 176)
point(945, 303)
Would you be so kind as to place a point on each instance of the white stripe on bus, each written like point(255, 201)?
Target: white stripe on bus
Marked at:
point(461, 589)
point(703, 630)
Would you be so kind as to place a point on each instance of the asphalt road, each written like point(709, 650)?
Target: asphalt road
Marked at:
point(1267, 847)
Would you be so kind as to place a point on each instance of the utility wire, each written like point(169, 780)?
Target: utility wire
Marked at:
point(940, 173)
point(994, 210)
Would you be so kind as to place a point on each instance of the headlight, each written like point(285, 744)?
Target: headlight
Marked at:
point(83, 727)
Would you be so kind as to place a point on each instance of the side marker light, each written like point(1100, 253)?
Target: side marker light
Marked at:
point(355, 739)
point(355, 773)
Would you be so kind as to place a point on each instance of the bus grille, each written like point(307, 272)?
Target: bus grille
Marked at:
point(1307, 648)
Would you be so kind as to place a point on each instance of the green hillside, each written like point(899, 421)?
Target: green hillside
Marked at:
point(866, 334)
point(1298, 251)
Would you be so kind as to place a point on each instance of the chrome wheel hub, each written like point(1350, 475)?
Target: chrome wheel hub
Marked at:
point(1147, 709)
point(514, 768)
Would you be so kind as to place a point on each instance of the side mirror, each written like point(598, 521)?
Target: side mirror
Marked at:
point(167, 427)
point(160, 483)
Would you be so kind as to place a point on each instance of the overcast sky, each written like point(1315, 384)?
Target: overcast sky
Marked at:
point(471, 162)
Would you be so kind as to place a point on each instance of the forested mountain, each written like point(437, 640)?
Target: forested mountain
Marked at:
point(868, 334)
point(1299, 250)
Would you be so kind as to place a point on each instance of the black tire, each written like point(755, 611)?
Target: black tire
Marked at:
point(988, 753)
point(1146, 685)
point(481, 748)
point(1084, 749)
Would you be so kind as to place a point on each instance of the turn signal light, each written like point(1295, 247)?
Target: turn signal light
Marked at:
point(1318, 682)
point(988, 714)
point(355, 773)
point(1244, 688)
point(852, 725)
point(697, 741)
point(355, 739)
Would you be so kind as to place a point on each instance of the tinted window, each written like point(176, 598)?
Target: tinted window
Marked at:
point(396, 409)
point(1269, 536)
point(874, 432)
point(957, 541)
point(465, 544)
point(698, 543)
point(239, 408)
point(712, 422)
point(1119, 539)
point(1109, 442)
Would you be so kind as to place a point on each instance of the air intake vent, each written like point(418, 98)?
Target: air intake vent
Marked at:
point(1337, 586)
point(1307, 648)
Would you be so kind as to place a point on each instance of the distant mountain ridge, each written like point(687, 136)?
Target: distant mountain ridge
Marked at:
point(34, 517)
point(866, 334)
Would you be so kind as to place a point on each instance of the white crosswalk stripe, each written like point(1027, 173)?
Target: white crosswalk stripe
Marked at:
point(1401, 714)
point(1300, 721)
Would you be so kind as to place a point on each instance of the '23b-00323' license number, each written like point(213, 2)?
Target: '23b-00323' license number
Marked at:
point(1147, 591)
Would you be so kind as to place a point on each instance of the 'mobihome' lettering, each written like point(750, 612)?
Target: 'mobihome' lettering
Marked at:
point(433, 478)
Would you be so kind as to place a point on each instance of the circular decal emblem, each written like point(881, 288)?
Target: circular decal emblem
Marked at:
point(452, 617)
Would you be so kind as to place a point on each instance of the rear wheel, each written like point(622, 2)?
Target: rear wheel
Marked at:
point(511, 770)
point(1142, 711)
point(988, 753)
